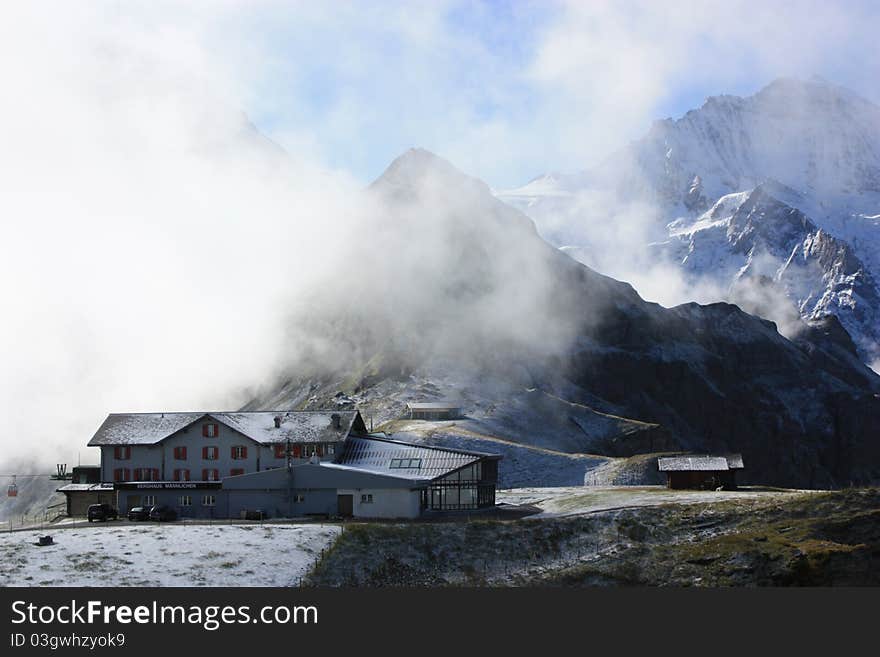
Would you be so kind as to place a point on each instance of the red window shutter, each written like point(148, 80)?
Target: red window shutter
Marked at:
point(319, 450)
point(204, 452)
point(117, 453)
point(244, 452)
point(205, 430)
point(186, 475)
point(279, 451)
point(127, 452)
point(126, 474)
point(232, 452)
point(177, 475)
point(296, 451)
point(216, 475)
point(155, 474)
point(117, 474)
point(216, 429)
point(183, 452)
point(137, 474)
point(204, 475)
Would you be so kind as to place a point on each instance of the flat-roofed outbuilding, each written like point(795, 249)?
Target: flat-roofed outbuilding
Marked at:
point(434, 410)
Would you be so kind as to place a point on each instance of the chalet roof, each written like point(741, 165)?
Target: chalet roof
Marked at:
point(296, 426)
point(692, 463)
point(376, 455)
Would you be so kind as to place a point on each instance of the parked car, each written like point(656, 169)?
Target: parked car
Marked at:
point(101, 512)
point(162, 513)
point(139, 513)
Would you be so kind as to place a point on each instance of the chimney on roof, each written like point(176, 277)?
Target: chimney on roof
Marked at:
point(277, 421)
point(336, 418)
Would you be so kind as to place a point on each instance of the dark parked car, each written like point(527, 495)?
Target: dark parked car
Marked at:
point(101, 512)
point(139, 513)
point(163, 513)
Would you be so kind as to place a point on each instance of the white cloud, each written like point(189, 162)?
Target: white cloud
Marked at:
point(150, 237)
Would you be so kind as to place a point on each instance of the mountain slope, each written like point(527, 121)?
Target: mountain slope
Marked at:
point(812, 146)
point(450, 293)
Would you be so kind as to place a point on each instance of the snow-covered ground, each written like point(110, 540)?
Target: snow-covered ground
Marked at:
point(164, 555)
point(573, 500)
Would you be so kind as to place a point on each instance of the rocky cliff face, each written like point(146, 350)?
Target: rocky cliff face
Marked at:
point(769, 256)
point(456, 296)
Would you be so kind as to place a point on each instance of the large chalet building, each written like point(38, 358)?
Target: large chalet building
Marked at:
point(278, 464)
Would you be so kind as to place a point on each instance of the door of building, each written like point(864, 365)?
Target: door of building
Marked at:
point(345, 505)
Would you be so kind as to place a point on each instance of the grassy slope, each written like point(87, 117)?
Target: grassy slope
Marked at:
point(816, 539)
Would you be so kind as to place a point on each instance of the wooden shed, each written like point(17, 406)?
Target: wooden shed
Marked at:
point(701, 472)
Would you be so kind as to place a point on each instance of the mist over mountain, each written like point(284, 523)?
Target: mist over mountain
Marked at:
point(445, 292)
point(801, 152)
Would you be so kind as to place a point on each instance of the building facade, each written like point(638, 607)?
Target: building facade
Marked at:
point(281, 464)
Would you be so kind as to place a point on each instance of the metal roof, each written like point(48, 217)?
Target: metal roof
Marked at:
point(296, 426)
point(376, 454)
point(735, 461)
point(85, 487)
point(692, 463)
point(320, 476)
point(433, 406)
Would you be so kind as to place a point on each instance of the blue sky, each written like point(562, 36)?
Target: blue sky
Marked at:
point(508, 90)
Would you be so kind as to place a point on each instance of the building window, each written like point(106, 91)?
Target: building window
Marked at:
point(236, 471)
point(180, 453)
point(210, 453)
point(181, 474)
point(209, 500)
point(239, 452)
point(299, 498)
point(185, 500)
point(210, 475)
point(330, 450)
point(406, 463)
point(122, 474)
point(146, 474)
point(149, 500)
point(280, 451)
point(210, 430)
point(367, 498)
point(122, 453)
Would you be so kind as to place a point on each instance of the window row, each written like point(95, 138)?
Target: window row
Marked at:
point(178, 474)
point(452, 497)
point(239, 452)
point(405, 463)
point(299, 451)
point(207, 500)
point(138, 474)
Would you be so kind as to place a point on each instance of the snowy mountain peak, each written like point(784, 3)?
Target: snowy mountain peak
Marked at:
point(792, 171)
